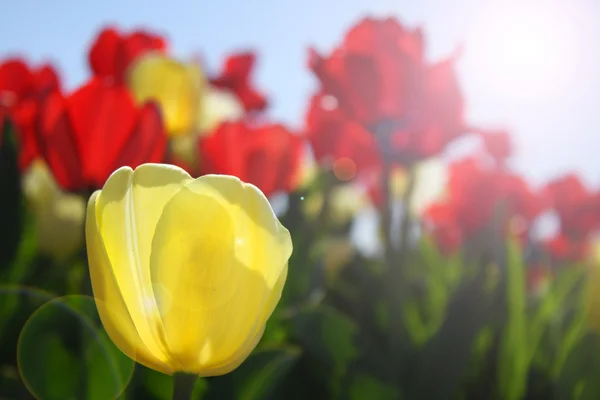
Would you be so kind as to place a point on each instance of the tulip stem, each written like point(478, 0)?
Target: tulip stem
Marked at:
point(386, 213)
point(406, 214)
point(328, 184)
point(183, 386)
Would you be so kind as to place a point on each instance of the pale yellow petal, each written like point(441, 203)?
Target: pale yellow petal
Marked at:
point(112, 309)
point(431, 177)
point(58, 215)
point(257, 228)
point(218, 106)
point(244, 351)
point(185, 148)
point(127, 210)
point(219, 253)
point(176, 86)
point(39, 186)
point(60, 227)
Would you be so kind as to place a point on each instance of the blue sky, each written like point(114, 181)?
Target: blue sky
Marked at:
point(556, 126)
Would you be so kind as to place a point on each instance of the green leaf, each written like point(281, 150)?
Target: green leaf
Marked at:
point(259, 377)
point(575, 332)
point(414, 323)
point(265, 370)
point(327, 333)
point(424, 315)
point(551, 307)
point(17, 273)
point(330, 337)
point(446, 357)
point(365, 387)
point(47, 381)
point(108, 370)
point(84, 363)
point(10, 200)
point(158, 385)
point(515, 354)
point(580, 377)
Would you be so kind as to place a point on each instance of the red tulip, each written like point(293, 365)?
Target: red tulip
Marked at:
point(380, 79)
point(86, 136)
point(563, 248)
point(475, 194)
point(267, 156)
point(376, 71)
point(334, 136)
point(113, 52)
point(445, 228)
point(497, 143)
point(235, 77)
point(22, 90)
point(435, 118)
point(578, 208)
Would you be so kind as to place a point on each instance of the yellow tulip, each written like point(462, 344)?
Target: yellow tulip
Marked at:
point(185, 272)
point(58, 215)
point(431, 177)
point(429, 183)
point(218, 106)
point(176, 86)
point(308, 173)
point(345, 201)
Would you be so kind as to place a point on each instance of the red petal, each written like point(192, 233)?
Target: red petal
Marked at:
point(103, 54)
point(148, 142)
point(103, 118)
point(16, 82)
point(224, 151)
point(333, 135)
point(25, 119)
point(239, 66)
point(273, 158)
point(46, 79)
point(112, 52)
point(236, 77)
point(58, 143)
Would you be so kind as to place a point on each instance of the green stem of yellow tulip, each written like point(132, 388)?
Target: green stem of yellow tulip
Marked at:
point(183, 386)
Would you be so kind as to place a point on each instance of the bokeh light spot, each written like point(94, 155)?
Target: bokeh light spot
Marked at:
point(344, 169)
point(63, 352)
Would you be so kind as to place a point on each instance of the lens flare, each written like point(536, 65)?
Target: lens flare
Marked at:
point(78, 362)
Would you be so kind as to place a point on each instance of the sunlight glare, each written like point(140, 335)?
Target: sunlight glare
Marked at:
point(523, 50)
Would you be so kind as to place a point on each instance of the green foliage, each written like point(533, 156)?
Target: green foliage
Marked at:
point(430, 326)
point(514, 350)
point(365, 386)
point(81, 362)
point(10, 201)
point(259, 377)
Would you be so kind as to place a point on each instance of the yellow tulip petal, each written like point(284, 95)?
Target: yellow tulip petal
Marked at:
point(113, 311)
point(244, 351)
point(218, 106)
point(257, 227)
point(220, 254)
point(176, 86)
point(228, 364)
point(59, 216)
point(127, 210)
